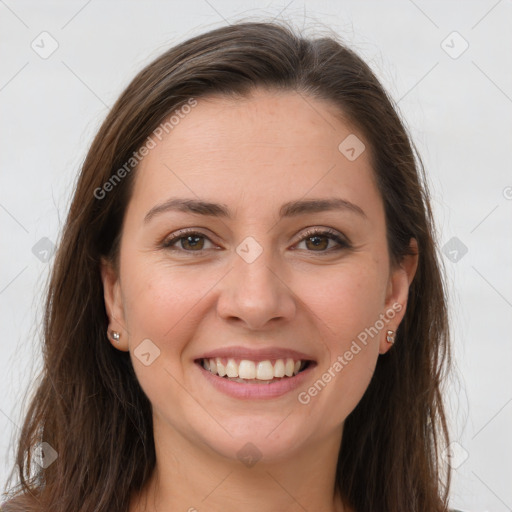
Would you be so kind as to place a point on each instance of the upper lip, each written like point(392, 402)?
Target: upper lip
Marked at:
point(261, 354)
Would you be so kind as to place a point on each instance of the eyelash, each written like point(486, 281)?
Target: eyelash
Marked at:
point(331, 234)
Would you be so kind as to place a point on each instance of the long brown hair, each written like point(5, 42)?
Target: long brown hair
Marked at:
point(88, 405)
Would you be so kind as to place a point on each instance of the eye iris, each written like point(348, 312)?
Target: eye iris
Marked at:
point(318, 241)
point(194, 243)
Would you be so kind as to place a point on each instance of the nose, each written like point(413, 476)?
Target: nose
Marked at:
point(256, 295)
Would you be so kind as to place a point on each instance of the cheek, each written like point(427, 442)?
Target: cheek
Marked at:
point(347, 304)
point(164, 305)
point(353, 369)
point(347, 298)
point(159, 298)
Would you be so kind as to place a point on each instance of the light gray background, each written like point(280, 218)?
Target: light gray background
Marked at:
point(458, 110)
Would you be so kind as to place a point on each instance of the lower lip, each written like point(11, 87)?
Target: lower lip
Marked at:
point(256, 391)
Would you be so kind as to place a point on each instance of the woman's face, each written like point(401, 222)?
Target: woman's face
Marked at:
point(288, 260)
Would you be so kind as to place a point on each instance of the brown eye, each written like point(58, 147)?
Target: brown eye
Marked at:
point(186, 242)
point(318, 241)
point(192, 242)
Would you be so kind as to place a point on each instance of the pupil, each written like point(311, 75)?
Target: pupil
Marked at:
point(318, 241)
point(193, 241)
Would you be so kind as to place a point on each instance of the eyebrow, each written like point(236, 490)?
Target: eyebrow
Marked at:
point(289, 209)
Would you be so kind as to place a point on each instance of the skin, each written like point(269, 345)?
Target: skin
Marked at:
point(252, 155)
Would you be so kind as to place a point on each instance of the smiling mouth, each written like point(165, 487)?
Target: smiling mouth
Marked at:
point(254, 372)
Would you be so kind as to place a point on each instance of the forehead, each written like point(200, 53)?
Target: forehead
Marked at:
point(271, 146)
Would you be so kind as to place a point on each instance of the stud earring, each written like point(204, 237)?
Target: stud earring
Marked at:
point(390, 338)
point(116, 336)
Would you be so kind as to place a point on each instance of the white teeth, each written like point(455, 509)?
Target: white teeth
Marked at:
point(247, 369)
point(279, 368)
point(220, 368)
point(232, 368)
point(288, 367)
point(264, 370)
point(251, 370)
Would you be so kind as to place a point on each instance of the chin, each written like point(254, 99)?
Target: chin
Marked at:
point(264, 440)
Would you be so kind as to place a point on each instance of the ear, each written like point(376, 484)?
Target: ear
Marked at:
point(400, 279)
point(114, 304)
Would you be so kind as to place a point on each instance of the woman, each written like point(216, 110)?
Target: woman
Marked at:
point(246, 308)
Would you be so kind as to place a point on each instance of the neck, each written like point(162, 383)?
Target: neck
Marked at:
point(189, 477)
